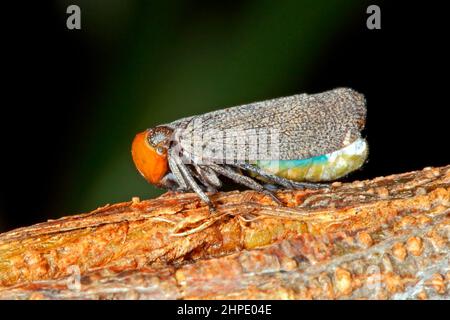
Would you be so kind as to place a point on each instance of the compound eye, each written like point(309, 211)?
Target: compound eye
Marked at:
point(160, 150)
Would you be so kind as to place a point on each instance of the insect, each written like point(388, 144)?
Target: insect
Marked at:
point(298, 141)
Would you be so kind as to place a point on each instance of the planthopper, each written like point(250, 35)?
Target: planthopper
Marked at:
point(300, 141)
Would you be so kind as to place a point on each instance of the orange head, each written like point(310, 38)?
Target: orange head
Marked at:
point(149, 152)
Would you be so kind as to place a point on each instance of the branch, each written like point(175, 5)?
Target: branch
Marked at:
point(378, 239)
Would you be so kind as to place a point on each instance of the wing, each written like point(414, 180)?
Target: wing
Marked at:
point(296, 127)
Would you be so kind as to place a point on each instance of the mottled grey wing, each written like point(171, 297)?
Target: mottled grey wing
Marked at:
point(301, 126)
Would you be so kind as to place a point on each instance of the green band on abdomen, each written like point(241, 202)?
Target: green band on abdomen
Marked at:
point(327, 167)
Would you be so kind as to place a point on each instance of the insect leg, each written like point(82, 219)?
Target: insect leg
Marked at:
point(208, 176)
point(244, 180)
point(189, 179)
point(282, 181)
point(170, 182)
point(176, 172)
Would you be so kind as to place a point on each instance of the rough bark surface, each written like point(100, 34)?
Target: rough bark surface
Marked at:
point(386, 238)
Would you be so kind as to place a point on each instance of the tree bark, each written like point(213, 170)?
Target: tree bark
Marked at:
point(386, 238)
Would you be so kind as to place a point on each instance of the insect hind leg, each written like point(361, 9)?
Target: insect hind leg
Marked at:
point(244, 180)
point(283, 182)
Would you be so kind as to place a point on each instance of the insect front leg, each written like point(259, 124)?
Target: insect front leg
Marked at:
point(188, 178)
point(176, 174)
point(170, 182)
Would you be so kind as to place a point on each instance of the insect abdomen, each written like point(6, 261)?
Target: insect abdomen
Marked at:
point(326, 167)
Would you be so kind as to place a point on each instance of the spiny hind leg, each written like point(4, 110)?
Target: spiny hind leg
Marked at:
point(244, 180)
point(283, 182)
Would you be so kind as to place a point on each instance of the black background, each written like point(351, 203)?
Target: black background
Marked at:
point(402, 69)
